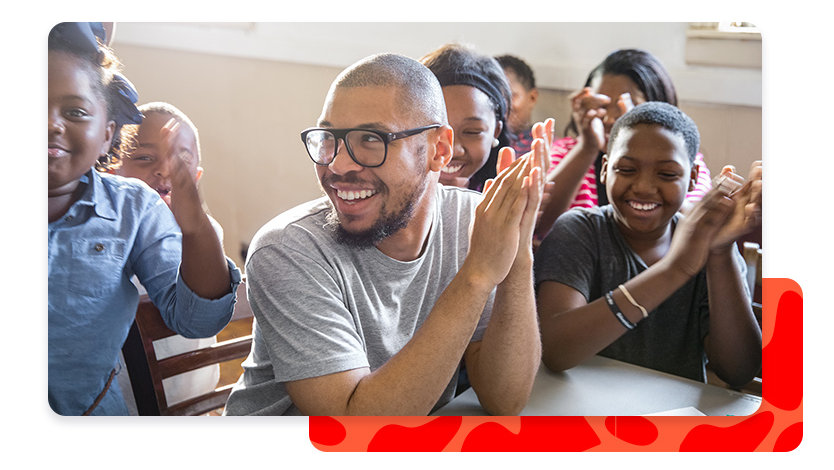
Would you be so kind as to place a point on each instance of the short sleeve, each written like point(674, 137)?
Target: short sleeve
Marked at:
point(297, 302)
point(568, 254)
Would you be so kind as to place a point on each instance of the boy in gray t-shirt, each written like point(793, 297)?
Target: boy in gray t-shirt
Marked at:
point(636, 281)
point(366, 301)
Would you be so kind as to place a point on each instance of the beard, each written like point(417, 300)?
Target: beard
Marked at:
point(388, 223)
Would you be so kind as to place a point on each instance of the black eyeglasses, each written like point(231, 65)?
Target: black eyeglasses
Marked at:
point(366, 147)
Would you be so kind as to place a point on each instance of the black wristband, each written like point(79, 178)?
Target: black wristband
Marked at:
point(609, 299)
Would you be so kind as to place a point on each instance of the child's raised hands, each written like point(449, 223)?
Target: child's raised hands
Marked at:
point(588, 110)
point(695, 234)
point(184, 199)
point(747, 203)
point(731, 209)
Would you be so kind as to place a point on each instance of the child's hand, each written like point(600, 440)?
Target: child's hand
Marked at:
point(588, 111)
point(747, 203)
point(624, 103)
point(695, 234)
point(184, 199)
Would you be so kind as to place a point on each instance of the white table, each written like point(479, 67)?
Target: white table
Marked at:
point(606, 387)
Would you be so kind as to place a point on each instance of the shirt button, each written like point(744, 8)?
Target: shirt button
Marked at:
point(68, 218)
point(99, 247)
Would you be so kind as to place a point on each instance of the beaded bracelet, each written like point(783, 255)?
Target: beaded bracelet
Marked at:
point(609, 299)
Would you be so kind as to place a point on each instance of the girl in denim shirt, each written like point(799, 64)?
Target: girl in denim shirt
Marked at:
point(103, 229)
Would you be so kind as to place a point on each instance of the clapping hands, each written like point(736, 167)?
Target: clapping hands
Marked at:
point(730, 210)
point(505, 218)
point(746, 196)
point(589, 110)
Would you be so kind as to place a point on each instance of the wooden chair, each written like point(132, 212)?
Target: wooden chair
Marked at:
point(146, 372)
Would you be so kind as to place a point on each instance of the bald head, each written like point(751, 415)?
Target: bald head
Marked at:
point(419, 93)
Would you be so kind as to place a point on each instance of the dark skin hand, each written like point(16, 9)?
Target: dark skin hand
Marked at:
point(204, 267)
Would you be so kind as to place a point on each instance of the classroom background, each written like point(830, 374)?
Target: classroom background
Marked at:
point(251, 88)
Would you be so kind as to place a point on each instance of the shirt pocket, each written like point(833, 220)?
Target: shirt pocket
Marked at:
point(97, 266)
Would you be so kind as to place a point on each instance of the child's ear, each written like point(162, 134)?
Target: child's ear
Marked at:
point(499, 126)
point(693, 176)
point(442, 148)
point(603, 171)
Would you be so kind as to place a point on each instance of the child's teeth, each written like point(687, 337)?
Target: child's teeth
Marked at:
point(451, 168)
point(643, 207)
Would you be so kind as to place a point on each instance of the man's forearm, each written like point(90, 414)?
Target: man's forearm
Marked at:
point(413, 380)
point(503, 366)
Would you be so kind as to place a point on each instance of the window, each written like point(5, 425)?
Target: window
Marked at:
point(726, 44)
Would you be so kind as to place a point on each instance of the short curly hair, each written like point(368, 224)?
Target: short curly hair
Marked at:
point(660, 114)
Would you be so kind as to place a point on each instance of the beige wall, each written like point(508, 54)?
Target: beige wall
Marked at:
point(250, 113)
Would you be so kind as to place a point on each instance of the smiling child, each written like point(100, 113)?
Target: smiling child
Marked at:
point(637, 281)
point(104, 229)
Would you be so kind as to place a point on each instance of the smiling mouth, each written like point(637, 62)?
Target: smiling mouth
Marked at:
point(451, 168)
point(355, 195)
point(56, 152)
point(643, 207)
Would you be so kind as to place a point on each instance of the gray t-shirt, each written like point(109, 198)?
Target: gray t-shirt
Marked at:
point(585, 250)
point(322, 307)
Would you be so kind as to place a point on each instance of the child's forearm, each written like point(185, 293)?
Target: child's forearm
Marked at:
point(204, 268)
point(734, 343)
point(572, 335)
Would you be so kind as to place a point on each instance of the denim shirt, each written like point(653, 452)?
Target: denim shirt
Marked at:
point(119, 227)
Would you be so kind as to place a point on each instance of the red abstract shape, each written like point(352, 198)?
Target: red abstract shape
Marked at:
point(742, 437)
point(789, 439)
point(632, 429)
point(782, 357)
point(537, 434)
point(430, 437)
point(326, 431)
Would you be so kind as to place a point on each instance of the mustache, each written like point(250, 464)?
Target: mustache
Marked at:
point(350, 178)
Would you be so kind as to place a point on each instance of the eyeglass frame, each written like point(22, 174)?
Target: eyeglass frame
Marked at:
point(341, 134)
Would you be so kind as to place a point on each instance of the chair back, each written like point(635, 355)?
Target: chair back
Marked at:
point(147, 372)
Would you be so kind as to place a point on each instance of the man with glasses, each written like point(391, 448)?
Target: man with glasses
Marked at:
point(367, 300)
